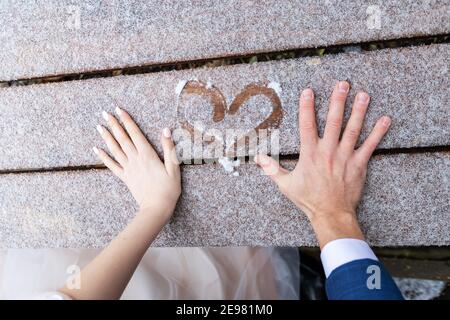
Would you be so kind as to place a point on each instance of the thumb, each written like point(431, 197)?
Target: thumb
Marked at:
point(271, 167)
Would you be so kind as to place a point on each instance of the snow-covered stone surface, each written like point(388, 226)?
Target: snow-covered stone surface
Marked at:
point(53, 125)
point(405, 203)
point(42, 38)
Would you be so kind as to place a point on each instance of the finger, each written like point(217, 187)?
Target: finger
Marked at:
point(355, 123)
point(137, 137)
point(335, 114)
point(119, 133)
point(271, 167)
point(307, 120)
point(112, 145)
point(109, 163)
point(170, 156)
point(368, 147)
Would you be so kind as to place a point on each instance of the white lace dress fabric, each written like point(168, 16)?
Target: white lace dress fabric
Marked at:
point(164, 273)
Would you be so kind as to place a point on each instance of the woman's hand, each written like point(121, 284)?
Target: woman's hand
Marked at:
point(328, 180)
point(156, 188)
point(155, 185)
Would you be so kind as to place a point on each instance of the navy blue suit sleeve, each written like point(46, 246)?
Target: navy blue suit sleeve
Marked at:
point(364, 279)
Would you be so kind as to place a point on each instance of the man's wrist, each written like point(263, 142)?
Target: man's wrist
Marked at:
point(335, 226)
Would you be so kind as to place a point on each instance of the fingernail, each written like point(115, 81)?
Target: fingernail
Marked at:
point(343, 86)
point(105, 115)
point(95, 150)
point(99, 129)
point(307, 94)
point(118, 111)
point(363, 97)
point(386, 121)
point(166, 132)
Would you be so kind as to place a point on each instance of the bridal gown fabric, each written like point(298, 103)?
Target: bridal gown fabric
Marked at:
point(164, 273)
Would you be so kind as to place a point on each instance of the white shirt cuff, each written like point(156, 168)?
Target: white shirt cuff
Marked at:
point(341, 251)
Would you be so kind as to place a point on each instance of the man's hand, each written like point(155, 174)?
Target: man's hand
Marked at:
point(328, 180)
point(155, 185)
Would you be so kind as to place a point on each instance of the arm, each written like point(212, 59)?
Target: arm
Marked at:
point(328, 181)
point(155, 186)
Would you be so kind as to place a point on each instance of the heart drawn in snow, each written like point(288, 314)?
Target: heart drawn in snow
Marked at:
point(220, 110)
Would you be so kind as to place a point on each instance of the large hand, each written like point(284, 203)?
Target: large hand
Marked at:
point(328, 180)
point(152, 183)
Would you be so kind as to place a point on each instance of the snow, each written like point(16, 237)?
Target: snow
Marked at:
point(229, 165)
point(180, 86)
point(275, 86)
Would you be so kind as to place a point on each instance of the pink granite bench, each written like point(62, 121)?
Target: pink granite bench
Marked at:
point(55, 193)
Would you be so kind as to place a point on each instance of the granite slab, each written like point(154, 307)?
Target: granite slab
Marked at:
point(53, 125)
point(405, 203)
point(44, 38)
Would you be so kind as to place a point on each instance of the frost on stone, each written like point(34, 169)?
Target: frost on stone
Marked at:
point(209, 85)
point(229, 165)
point(314, 61)
point(199, 126)
point(275, 86)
